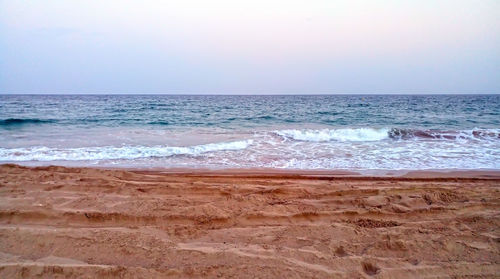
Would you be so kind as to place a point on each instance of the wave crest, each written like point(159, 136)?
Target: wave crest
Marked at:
point(20, 121)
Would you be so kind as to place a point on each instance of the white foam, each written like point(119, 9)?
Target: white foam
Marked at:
point(362, 148)
point(347, 134)
point(42, 153)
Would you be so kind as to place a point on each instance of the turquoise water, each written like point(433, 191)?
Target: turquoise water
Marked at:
point(292, 132)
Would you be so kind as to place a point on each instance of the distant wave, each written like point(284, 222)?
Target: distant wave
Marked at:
point(20, 121)
point(42, 153)
point(160, 123)
point(372, 134)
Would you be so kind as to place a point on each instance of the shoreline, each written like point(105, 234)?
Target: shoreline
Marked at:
point(95, 222)
point(378, 173)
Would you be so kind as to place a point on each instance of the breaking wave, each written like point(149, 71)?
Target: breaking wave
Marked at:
point(347, 134)
point(372, 134)
point(474, 134)
point(42, 153)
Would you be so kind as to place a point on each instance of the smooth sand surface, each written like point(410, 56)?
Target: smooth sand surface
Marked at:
point(58, 222)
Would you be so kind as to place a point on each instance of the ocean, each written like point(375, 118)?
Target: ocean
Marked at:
point(317, 132)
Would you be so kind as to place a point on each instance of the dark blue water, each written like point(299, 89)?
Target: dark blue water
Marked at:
point(306, 132)
point(438, 111)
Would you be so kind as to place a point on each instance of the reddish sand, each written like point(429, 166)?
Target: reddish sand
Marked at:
point(58, 222)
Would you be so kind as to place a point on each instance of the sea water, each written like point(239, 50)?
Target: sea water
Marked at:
point(351, 132)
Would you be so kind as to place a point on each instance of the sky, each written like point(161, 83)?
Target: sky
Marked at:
point(250, 47)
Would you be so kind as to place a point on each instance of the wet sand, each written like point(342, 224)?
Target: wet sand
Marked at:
point(88, 223)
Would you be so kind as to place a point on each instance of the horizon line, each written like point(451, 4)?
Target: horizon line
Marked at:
point(252, 94)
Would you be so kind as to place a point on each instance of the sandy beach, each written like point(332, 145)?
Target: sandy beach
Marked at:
point(58, 222)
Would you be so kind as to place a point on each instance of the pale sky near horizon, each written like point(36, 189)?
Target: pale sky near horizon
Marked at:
point(250, 47)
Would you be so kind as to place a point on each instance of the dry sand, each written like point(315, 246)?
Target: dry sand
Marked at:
point(87, 223)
